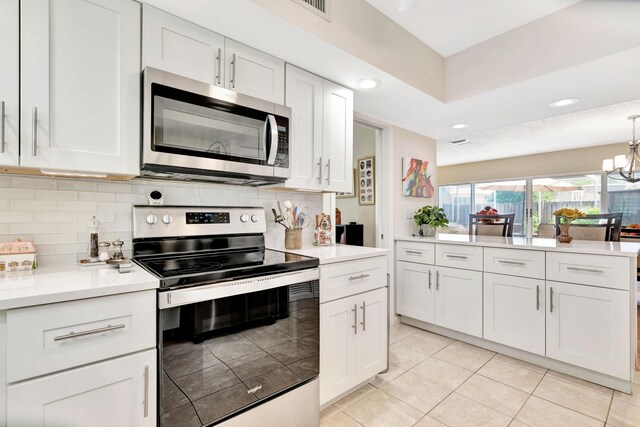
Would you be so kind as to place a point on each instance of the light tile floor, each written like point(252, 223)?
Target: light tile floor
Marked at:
point(436, 381)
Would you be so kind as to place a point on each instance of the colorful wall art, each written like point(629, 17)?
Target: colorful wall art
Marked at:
point(416, 179)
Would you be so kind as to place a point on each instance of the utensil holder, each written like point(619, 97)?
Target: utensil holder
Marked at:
point(293, 238)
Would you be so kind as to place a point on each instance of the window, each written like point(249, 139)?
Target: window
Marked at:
point(550, 194)
point(624, 197)
point(508, 197)
point(456, 201)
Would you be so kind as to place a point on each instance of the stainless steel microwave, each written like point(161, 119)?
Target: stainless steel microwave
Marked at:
point(193, 130)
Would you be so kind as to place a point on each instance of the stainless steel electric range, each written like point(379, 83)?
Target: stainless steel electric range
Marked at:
point(238, 324)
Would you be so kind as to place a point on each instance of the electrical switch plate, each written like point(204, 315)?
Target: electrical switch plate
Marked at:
point(410, 213)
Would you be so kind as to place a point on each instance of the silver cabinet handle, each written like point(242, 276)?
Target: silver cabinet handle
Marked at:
point(328, 171)
point(538, 297)
point(437, 280)
point(550, 300)
point(2, 143)
point(504, 261)
point(146, 391)
point(89, 332)
point(219, 58)
point(364, 316)
point(273, 151)
point(355, 318)
point(34, 132)
point(429, 279)
point(362, 276)
point(233, 71)
point(586, 270)
point(319, 164)
point(457, 256)
point(413, 253)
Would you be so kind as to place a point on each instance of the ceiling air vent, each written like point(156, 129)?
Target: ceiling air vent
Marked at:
point(319, 7)
point(460, 142)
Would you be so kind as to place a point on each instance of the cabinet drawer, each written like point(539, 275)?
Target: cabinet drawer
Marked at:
point(50, 338)
point(514, 262)
point(595, 270)
point(422, 253)
point(459, 256)
point(352, 277)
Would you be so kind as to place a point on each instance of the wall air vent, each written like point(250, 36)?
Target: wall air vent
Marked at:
point(460, 142)
point(319, 7)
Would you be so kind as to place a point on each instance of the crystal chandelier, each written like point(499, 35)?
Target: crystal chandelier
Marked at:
point(625, 167)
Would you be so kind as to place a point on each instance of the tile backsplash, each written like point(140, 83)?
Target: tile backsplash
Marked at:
point(54, 212)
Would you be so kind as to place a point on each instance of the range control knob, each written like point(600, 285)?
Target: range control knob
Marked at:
point(255, 217)
point(152, 219)
point(244, 217)
point(167, 219)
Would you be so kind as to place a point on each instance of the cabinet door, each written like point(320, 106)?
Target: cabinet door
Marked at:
point(459, 300)
point(304, 97)
point(514, 312)
point(371, 343)
point(9, 82)
point(181, 47)
point(589, 327)
point(80, 85)
point(337, 347)
point(416, 293)
point(254, 73)
point(120, 392)
point(337, 135)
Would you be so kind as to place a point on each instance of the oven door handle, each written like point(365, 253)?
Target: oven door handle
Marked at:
point(273, 146)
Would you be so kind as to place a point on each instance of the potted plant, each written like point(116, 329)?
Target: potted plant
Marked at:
point(567, 216)
point(428, 218)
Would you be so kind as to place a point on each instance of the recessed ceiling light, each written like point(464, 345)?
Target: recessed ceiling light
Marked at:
point(564, 102)
point(460, 142)
point(368, 83)
point(459, 126)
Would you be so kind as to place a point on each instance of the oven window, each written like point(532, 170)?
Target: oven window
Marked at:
point(223, 356)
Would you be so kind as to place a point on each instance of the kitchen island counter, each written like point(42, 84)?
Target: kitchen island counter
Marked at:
point(335, 253)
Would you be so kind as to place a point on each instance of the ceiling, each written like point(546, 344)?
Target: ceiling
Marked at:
point(507, 108)
point(453, 25)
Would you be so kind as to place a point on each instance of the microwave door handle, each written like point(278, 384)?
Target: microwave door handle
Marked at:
point(273, 150)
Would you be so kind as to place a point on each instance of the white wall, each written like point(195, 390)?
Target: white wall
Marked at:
point(364, 145)
point(53, 213)
point(409, 144)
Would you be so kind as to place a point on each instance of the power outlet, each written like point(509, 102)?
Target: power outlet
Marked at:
point(410, 213)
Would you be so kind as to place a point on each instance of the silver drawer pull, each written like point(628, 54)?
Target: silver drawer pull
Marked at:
point(457, 256)
point(586, 270)
point(355, 319)
point(550, 300)
point(2, 143)
point(362, 276)
point(89, 332)
point(146, 391)
point(413, 253)
point(34, 132)
point(364, 316)
point(504, 261)
point(538, 297)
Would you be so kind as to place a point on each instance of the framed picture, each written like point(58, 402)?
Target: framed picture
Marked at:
point(366, 179)
point(416, 179)
point(352, 192)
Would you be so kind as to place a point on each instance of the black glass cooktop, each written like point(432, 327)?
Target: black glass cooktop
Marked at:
point(192, 269)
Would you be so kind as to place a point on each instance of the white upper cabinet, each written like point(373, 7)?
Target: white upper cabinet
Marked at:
point(181, 47)
point(322, 133)
point(9, 82)
point(80, 85)
point(304, 96)
point(254, 73)
point(337, 147)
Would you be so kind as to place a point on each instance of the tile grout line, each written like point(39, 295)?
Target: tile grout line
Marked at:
point(609, 410)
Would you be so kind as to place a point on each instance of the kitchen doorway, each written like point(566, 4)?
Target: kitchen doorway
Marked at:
point(359, 210)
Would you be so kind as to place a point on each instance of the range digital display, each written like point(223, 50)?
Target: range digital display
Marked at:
point(207, 217)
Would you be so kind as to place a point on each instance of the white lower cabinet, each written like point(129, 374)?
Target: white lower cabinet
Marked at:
point(416, 293)
point(514, 312)
point(353, 341)
point(118, 392)
point(589, 327)
point(458, 300)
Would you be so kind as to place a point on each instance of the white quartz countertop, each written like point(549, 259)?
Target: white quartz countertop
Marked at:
point(69, 282)
point(628, 249)
point(335, 253)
